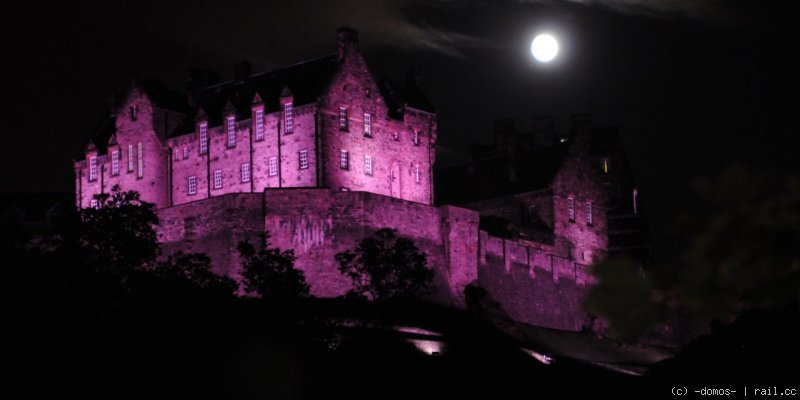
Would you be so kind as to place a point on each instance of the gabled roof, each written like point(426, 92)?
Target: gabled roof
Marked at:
point(489, 177)
point(305, 81)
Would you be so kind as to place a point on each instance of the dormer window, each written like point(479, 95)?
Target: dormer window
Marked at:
point(230, 126)
point(367, 125)
point(288, 118)
point(92, 169)
point(204, 138)
point(343, 120)
point(115, 162)
point(133, 110)
point(259, 124)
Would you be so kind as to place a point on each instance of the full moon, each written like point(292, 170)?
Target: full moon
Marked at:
point(544, 48)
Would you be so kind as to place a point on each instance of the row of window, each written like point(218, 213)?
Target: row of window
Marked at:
point(115, 162)
point(344, 163)
point(288, 121)
point(571, 211)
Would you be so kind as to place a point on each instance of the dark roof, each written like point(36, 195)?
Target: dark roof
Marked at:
point(159, 94)
point(397, 96)
point(305, 81)
point(100, 136)
point(535, 169)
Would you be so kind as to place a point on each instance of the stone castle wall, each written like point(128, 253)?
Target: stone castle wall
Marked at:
point(532, 285)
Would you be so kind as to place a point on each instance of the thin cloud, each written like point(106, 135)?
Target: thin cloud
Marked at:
point(695, 9)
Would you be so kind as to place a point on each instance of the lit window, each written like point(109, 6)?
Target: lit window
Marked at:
point(246, 172)
point(231, 127)
point(273, 166)
point(176, 155)
point(303, 159)
point(344, 160)
point(416, 138)
point(133, 110)
point(203, 138)
point(288, 118)
point(571, 208)
point(115, 162)
point(217, 179)
point(185, 153)
point(368, 165)
point(343, 118)
point(589, 216)
point(130, 158)
point(94, 204)
point(92, 168)
point(259, 124)
point(416, 173)
point(192, 185)
point(605, 165)
point(140, 156)
point(367, 125)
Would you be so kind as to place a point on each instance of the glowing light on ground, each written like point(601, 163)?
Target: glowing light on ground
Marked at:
point(544, 48)
point(430, 347)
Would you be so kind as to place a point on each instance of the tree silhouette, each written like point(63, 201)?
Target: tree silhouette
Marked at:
point(385, 267)
point(270, 272)
point(742, 253)
point(194, 269)
point(120, 233)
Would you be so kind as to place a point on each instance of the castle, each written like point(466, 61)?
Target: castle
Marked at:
point(320, 154)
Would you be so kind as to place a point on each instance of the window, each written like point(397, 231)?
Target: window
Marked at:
point(288, 118)
point(218, 179)
point(368, 165)
point(140, 156)
point(343, 118)
point(367, 125)
point(192, 185)
point(92, 168)
point(344, 160)
point(185, 153)
point(204, 138)
point(303, 159)
point(571, 209)
point(130, 158)
point(231, 127)
point(416, 138)
point(605, 165)
point(273, 166)
point(396, 136)
point(176, 155)
point(416, 173)
point(589, 216)
point(94, 203)
point(115, 162)
point(259, 124)
point(133, 111)
point(246, 172)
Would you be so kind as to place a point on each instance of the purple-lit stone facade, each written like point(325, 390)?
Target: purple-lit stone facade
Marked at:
point(311, 201)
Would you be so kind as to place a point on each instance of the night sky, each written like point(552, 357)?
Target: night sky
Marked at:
point(695, 85)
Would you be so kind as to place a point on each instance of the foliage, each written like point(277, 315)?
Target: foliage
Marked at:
point(270, 272)
point(742, 253)
point(385, 267)
point(624, 296)
point(194, 269)
point(120, 233)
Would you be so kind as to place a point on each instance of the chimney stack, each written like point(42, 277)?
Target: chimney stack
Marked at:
point(242, 70)
point(346, 41)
